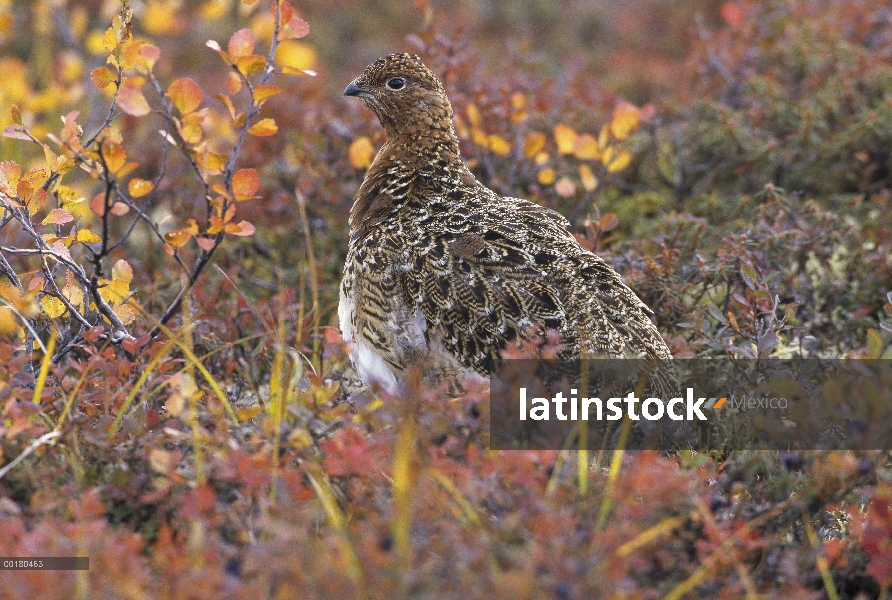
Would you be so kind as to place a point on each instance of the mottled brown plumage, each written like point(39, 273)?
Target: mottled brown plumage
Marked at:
point(442, 270)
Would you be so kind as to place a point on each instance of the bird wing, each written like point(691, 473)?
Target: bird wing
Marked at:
point(491, 275)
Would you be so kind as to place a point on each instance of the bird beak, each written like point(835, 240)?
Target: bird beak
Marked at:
point(355, 90)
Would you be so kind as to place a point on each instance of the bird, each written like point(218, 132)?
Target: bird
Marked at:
point(444, 272)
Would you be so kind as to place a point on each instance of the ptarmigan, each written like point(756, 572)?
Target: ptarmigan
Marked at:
point(442, 270)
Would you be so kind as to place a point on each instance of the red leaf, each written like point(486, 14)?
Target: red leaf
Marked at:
point(131, 99)
point(731, 13)
point(241, 229)
point(58, 216)
point(241, 44)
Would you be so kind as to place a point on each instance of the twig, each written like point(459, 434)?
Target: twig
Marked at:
point(44, 439)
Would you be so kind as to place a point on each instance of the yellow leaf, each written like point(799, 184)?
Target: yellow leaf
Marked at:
point(546, 176)
point(587, 177)
point(87, 236)
point(51, 161)
point(72, 291)
point(586, 147)
point(534, 143)
point(213, 162)
point(604, 137)
point(109, 40)
point(53, 307)
point(622, 160)
point(541, 158)
point(114, 291)
point(473, 115)
point(295, 55)
point(518, 100)
point(8, 323)
point(190, 127)
point(626, 118)
point(213, 10)
point(480, 138)
point(160, 16)
point(139, 187)
point(263, 128)
point(185, 94)
point(250, 65)
point(499, 145)
point(565, 138)
point(361, 153)
point(68, 196)
point(263, 92)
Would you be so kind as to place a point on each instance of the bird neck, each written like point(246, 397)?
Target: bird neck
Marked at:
point(422, 127)
point(424, 142)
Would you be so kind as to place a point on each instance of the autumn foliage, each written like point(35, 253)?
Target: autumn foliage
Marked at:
point(176, 402)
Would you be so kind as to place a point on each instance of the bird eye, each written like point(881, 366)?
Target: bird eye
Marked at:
point(397, 83)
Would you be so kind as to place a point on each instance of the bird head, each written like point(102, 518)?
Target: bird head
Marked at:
point(407, 98)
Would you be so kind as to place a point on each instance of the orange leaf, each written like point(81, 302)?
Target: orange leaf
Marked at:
point(241, 229)
point(245, 184)
point(608, 222)
point(115, 156)
point(97, 204)
point(58, 216)
point(361, 153)
point(565, 138)
point(233, 83)
point(177, 238)
point(586, 147)
point(263, 128)
point(241, 44)
point(102, 77)
point(185, 94)
point(130, 97)
point(534, 143)
point(139, 187)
